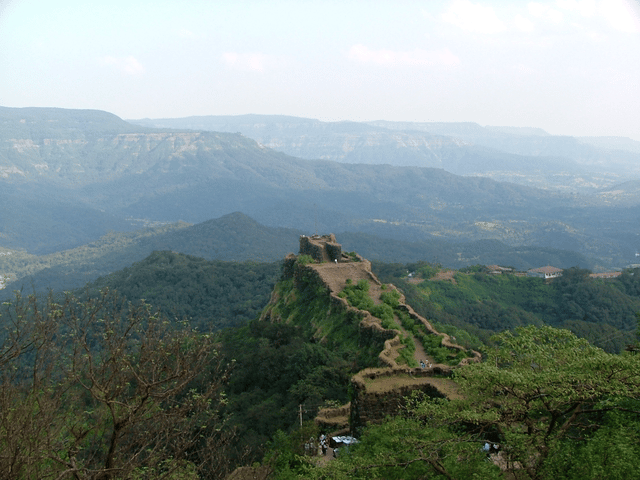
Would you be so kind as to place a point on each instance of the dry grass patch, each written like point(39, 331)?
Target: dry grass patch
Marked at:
point(386, 384)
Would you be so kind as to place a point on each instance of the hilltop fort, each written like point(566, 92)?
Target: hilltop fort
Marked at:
point(321, 267)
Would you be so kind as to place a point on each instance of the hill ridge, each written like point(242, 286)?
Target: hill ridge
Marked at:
point(377, 391)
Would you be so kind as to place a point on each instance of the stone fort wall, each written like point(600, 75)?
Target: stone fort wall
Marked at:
point(323, 248)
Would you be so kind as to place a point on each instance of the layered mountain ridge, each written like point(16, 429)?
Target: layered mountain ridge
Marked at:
point(122, 176)
point(528, 156)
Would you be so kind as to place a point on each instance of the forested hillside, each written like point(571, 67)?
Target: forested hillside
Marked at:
point(209, 294)
point(236, 237)
point(602, 311)
point(266, 369)
point(268, 384)
point(214, 294)
point(274, 366)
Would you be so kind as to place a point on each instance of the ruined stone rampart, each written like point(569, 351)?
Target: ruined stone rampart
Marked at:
point(288, 268)
point(334, 419)
point(374, 406)
point(323, 248)
point(369, 326)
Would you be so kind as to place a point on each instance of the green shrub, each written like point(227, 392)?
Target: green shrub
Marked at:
point(390, 324)
point(358, 295)
point(382, 311)
point(353, 256)
point(406, 355)
point(305, 259)
point(391, 298)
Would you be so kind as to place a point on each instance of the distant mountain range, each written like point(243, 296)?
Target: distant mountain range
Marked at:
point(70, 176)
point(529, 156)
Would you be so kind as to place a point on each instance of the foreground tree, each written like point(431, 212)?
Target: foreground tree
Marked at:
point(539, 392)
point(104, 389)
point(545, 404)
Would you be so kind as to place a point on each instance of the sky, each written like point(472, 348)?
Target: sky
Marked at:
point(571, 67)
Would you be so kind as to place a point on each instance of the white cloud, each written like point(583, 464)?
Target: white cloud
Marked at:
point(185, 33)
point(586, 8)
point(245, 61)
point(417, 57)
point(622, 15)
point(476, 18)
point(128, 65)
point(524, 24)
point(545, 12)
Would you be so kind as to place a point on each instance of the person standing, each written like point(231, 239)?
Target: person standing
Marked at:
point(323, 444)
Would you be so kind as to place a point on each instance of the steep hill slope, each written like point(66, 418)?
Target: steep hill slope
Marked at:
point(234, 237)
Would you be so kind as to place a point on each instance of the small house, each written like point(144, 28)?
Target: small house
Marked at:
point(547, 272)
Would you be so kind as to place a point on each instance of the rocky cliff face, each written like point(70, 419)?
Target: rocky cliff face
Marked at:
point(349, 142)
point(528, 156)
point(98, 159)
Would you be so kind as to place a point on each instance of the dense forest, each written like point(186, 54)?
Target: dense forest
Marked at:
point(601, 310)
point(211, 294)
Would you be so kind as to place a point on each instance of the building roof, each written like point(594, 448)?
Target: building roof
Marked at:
point(605, 275)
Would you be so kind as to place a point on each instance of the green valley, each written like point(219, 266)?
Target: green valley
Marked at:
point(78, 174)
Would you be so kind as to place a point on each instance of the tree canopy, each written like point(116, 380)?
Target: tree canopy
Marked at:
point(600, 310)
point(543, 405)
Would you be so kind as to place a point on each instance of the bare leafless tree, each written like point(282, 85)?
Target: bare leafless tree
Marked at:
point(100, 389)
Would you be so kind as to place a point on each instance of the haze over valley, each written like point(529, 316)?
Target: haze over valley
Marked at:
point(455, 122)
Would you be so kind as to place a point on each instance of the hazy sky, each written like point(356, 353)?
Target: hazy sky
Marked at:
point(569, 66)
